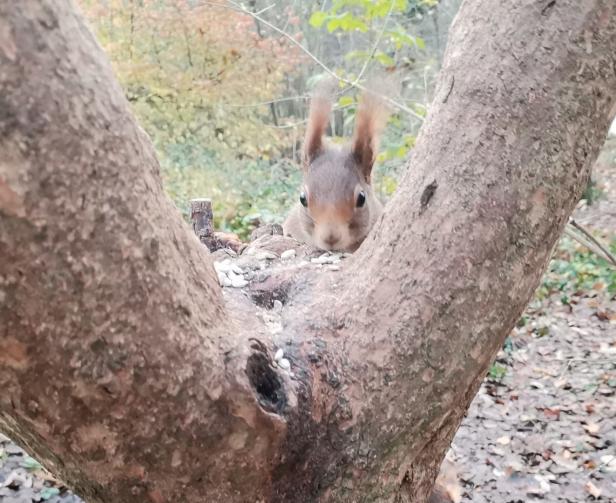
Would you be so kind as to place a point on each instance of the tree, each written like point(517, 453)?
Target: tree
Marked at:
point(125, 372)
point(183, 64)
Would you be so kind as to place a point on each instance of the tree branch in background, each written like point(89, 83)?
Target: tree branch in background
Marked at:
point(589, 241)
point(376, 44)
point(352, 84)
point(303, 97)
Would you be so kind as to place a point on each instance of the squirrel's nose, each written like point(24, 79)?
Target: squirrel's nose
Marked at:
point(331, 240)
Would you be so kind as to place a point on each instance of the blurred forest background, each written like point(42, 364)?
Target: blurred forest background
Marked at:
point(223, 89)
point(224, 94)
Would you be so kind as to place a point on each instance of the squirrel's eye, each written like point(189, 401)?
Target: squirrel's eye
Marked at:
point(303, 199)
point(361, 199)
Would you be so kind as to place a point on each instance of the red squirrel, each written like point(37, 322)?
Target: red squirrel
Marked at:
point(337, 206)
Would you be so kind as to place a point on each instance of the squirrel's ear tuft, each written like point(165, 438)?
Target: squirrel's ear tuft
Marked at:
point(371, 118)
point(320, 108)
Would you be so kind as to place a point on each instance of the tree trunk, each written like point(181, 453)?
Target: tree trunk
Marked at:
point(125, 372)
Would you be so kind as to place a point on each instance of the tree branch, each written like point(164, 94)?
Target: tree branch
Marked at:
point(376, 44)
point(592, 243)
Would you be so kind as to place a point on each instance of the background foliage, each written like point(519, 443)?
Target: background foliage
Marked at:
point(224, 96)
point(222, 87)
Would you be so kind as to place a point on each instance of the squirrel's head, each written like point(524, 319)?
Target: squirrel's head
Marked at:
point(338, 204)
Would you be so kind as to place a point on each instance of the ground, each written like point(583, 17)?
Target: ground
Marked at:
point(543, 426)
point(546, 431)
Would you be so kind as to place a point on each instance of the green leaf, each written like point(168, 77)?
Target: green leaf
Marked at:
point(401, 38)
point(388, 184)
point(381, 8)
point(508, 346)
point(346, 22)
point(318, 18)
point(420, 109)
point(497, 372)
point(30, 464)
point(362, 4)
point(345, 101)
point(384, 59)
point(49, 492)
point(401, 152)
point(361, 55)
point(409, 140)
point(333, 24)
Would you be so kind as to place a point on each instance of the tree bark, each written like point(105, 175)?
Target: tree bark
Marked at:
point(125, 371)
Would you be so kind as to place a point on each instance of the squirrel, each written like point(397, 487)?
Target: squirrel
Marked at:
point(337, 206)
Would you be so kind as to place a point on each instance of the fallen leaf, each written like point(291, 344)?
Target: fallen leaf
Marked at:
point(547, 454)
point(544, 486)
point(609, 463)
point(565, 463)
point(592, 428)
point(31, 464)
point(593, 490)
point(561, 383)
point(49, 492)
point(553, 413)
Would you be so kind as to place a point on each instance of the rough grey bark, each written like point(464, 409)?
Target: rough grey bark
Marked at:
point(124, 371)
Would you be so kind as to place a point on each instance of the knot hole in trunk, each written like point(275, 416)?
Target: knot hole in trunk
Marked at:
point(266, 383)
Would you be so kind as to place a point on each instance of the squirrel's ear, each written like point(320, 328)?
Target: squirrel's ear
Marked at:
point(320, 108)
point(372, 115)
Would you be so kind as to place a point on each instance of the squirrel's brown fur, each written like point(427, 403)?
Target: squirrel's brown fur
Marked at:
point(340, 205)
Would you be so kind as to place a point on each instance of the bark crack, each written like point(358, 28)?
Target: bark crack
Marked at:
point(427, 195)
point(453, 81)
point(548, 6)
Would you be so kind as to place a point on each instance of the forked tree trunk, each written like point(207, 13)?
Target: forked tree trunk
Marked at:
point(124, 372)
